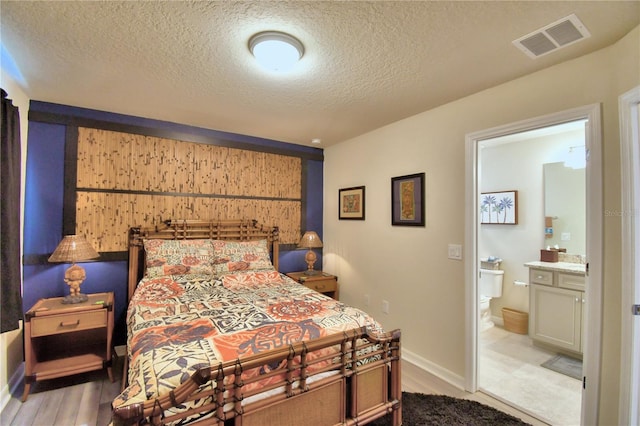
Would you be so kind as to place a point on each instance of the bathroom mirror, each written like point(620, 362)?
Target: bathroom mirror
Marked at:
point(565, 204)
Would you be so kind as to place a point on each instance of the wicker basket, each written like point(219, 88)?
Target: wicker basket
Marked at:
point(515, 321)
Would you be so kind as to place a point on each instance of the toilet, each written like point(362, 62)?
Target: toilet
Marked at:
point(489, 286)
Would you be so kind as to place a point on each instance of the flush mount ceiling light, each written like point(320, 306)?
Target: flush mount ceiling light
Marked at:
point(276, 51)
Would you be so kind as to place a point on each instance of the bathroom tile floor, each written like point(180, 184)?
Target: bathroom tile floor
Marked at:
point(509, 369)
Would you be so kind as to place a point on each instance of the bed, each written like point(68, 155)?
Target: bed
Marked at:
point(217, 335)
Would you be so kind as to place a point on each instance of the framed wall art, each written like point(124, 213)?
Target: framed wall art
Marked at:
point(500, 208)
point(351, 203)
point(407, 200)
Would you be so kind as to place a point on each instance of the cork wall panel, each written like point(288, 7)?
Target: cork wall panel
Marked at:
point(126, 180)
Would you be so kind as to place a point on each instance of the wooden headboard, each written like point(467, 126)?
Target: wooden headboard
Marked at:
point(232, 230)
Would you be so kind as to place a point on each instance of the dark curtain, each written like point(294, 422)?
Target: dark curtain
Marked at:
point(10, 296)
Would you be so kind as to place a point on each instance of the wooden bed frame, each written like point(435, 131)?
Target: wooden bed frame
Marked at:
point(346, 393)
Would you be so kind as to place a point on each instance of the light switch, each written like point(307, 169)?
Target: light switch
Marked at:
point(565, 236)
point(455, 251)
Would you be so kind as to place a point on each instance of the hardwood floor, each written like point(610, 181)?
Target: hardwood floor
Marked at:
point(85, 399)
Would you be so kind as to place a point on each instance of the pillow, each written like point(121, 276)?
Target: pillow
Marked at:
point(252, 280)
point(178, 257)
point(232, 256)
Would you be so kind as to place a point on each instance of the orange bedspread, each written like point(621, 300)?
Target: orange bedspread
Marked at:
point(177, 324)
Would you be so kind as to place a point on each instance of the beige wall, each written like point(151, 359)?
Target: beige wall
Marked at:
point(11, 342)
point(409, 266)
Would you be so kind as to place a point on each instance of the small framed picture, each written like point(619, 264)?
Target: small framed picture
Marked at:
point(407, 200)
point(351, 203)
point(499, 208)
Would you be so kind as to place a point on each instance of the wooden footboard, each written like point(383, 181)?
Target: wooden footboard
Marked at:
point(350, 378)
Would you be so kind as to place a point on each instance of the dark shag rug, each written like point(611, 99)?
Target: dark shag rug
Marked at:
point(420, 409)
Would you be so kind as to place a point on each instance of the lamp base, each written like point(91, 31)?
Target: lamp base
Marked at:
point(311, 272)
point(74, 277)
point(72, 299)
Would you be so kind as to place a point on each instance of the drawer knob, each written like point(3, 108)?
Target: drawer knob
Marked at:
point(539, 277)
point(70, 323)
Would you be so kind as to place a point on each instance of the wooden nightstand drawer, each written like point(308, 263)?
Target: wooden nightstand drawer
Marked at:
point(57, 324)
point(323, 286)
point(320, 282)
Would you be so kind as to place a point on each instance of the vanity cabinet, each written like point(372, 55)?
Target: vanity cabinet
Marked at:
point(557, 308)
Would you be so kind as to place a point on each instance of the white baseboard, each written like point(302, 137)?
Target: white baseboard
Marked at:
point(9, 388)
point(436, 370)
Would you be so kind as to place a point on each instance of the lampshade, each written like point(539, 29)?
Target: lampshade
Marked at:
point(276, 51)
point(310, 240)
point(72, 249)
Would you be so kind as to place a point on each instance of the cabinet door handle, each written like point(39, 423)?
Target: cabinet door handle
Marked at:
point(70, 323)
point(577, 299)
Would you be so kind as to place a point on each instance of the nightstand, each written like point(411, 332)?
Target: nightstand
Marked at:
point(61, 340)
point(323, 282)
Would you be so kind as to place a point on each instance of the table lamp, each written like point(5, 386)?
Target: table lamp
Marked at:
point(310, 240)
point(72, 249)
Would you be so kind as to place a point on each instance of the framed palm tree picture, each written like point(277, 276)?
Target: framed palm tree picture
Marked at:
point(500, 208)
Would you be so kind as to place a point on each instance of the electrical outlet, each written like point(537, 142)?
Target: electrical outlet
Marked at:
point(385, 307)
point(565, 236)
point(455, 251)
point(367, 300)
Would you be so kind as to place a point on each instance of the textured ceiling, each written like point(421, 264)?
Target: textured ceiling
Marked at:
point(366, 64)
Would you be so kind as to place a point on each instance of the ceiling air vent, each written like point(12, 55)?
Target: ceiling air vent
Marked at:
point(554, 36)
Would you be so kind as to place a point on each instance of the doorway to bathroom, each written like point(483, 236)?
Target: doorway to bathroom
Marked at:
point(510, 158)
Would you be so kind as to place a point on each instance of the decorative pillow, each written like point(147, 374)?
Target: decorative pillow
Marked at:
point(232, 256)
point(178, 257)
point(252, 280)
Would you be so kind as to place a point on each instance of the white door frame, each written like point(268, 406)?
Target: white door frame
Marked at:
point(630, 214)
point(593, 315)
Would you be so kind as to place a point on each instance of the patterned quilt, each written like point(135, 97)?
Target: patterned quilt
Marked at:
point(179, 323)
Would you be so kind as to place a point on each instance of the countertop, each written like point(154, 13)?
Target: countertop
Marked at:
point(576, 268)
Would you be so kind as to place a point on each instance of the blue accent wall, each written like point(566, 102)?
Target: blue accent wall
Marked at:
point(44, 187)
point(44, 201)
point(314, 197)
point(294, 260)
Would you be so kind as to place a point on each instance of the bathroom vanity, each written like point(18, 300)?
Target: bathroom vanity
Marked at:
point(556, 304)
